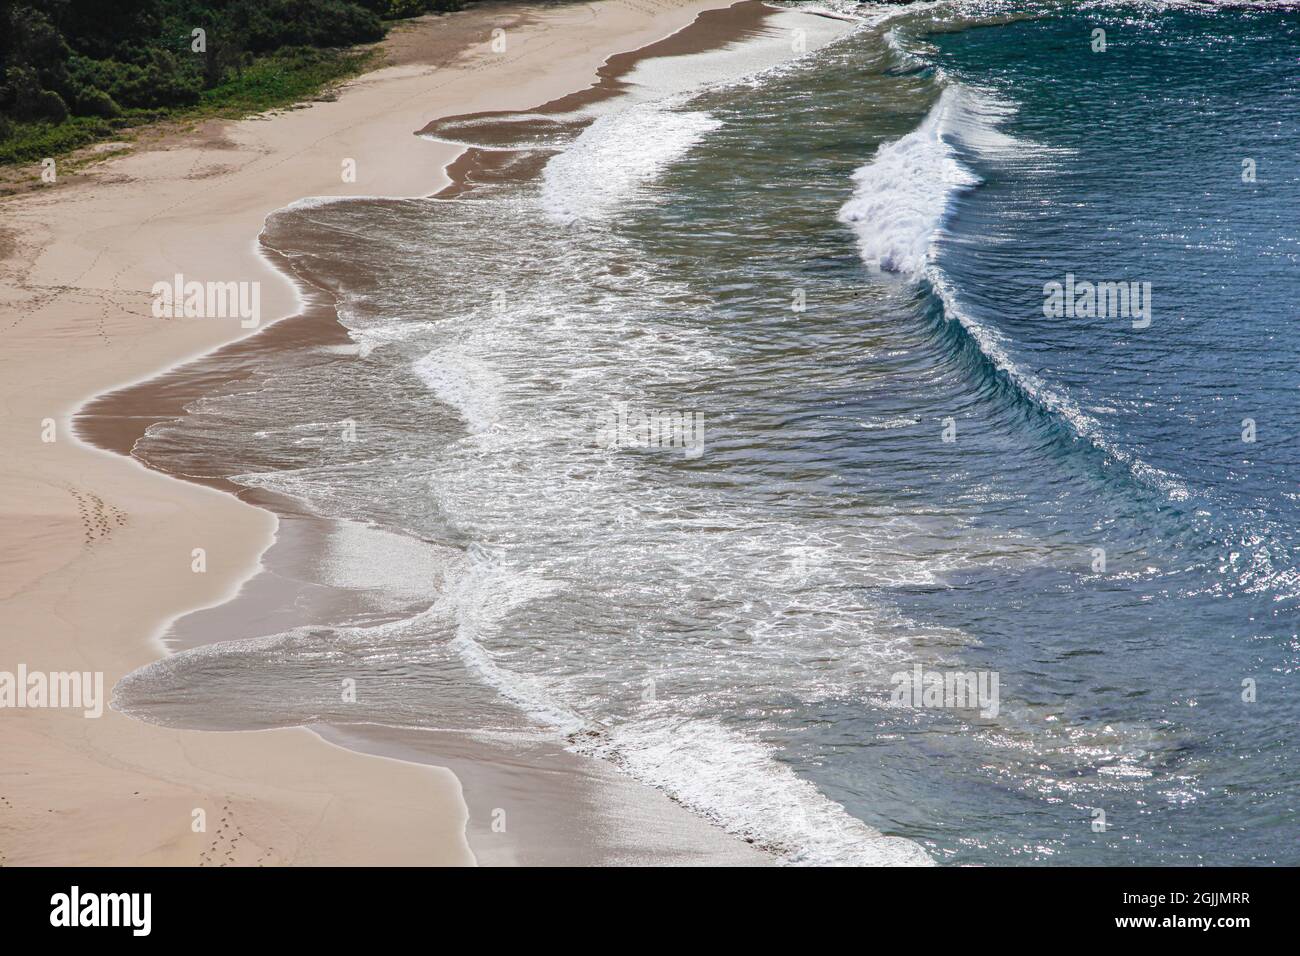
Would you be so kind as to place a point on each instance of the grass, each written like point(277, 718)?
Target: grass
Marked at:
point(271, 82)
point(31, 142)
point(283, 79)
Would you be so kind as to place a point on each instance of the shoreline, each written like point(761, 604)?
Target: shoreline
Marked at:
point(311, 801)
point(485, 768)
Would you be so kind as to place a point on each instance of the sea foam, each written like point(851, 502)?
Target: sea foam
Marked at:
point(902, 195)
point(616, 155)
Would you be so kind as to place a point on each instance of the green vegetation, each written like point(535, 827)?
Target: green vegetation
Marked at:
point(76, 71)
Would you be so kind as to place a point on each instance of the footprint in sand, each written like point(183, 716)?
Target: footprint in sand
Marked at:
point(98, 519)
point(4, 805)
point(226, 843)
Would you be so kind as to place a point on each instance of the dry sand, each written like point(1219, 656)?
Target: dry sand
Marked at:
point(95, 550)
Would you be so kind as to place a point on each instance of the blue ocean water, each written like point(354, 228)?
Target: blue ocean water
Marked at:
point(1168, 159)
point(841, 262)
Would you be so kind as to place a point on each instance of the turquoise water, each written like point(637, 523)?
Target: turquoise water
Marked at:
point(838, 262)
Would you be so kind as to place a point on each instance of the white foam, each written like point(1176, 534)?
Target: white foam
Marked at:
point(890, 423)
point(482, 594)
point(370, 337)
point(640, 134)
point(900, 198)
point(724, 775)
point(615, 156)
point(466, 383)
point(735, 781)
point(906, 57)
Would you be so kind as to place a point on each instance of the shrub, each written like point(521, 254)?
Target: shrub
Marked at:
point(401, 9)
point(22, 97)
point(395, 9)
point(163, 80)
point(273, 24)
point(92, 102)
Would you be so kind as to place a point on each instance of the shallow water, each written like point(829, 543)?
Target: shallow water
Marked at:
point(833, 261)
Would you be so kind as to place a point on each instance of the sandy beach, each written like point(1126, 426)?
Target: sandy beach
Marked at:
point(97, 553)
point(648, 433)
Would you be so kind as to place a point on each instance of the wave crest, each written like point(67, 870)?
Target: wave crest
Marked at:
point(902, 196)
